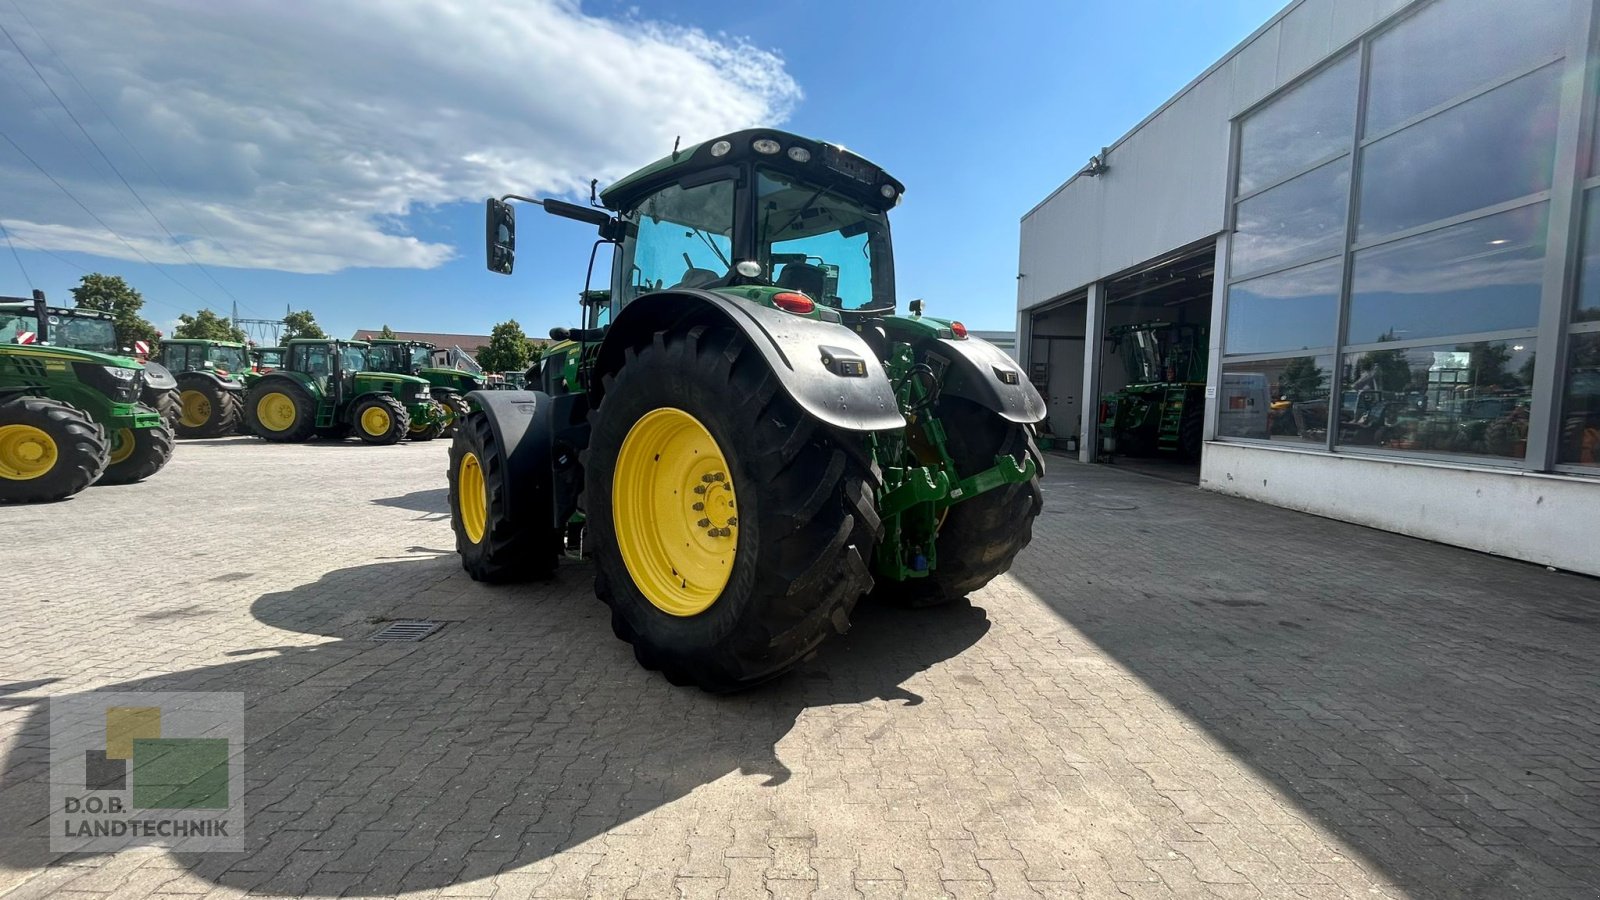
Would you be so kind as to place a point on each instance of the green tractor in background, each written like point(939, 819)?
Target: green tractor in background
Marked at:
point(265, 359)
point(751, 436)
point(451, 373)
point(1162, 408)
point(326, 389)
point(70, 417)
point(212, 377)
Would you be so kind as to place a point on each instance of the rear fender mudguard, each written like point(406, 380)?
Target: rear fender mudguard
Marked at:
point(794, 348)
point(981, 372)
point(524, 427)
point(208, 376)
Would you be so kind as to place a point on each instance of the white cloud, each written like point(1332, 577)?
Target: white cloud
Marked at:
point(300, 136)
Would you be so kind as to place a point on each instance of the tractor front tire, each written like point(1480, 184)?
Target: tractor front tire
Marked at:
point(380, 419)
point(138, 453)
point(431, 430)
point(714, 589)
point(455, 411)
point(981, 536)
point(167, 402)
point(494, 548)
point(207, 410)
point(280, 411)
point(49, 450)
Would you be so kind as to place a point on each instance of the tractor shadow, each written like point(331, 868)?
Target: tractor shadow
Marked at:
point(435, 501)
point(520, 729)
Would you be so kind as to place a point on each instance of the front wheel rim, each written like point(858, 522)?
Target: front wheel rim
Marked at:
point(26, 452)
point(674, 512)
point(121, 445)
point(473, 498)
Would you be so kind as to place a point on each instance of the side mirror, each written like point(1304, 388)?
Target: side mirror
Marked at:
point(500, 236)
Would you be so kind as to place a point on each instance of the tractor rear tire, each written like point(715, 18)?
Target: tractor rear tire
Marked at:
point(694, 414)
point(380, 419)
point(49, 450)
point(138, 453)
point(208, 410)
point(494, 548)
point(980, 537)
point(1191, 431)
point(455, 411)
point(272, 395)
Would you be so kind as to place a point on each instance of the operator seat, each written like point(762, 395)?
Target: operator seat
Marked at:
point(804, 277)
point(696, 278)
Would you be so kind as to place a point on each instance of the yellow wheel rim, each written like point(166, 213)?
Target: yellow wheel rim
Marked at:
point(375, 421)
point(196, 409)
point(672, 505)
point(26, 452)
point(276, 411)
point(121, 445)
point(449, 415)
point(473, 497)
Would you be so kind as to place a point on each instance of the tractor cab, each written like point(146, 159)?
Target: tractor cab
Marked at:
point(80, 329)
point(1161, 408)
point(226, 359)
point(1161, 352)
point(265, 359)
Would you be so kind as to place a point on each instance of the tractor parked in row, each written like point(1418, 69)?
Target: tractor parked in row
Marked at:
point(327, 389)
point(753, 437)
point(95, 330)
point(265, 359)
point(70, 417)
point(212, 377)
point(452, 373)
point(1161, 410)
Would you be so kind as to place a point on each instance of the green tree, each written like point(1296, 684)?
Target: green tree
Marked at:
point(507, 350)
point(208, 326)
point(301, 324)
point(387, 333)
point(1302, 379)
point(536, 349)
point(109, 293)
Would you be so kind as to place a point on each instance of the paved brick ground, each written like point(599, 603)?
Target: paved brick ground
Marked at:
point(1173, 694)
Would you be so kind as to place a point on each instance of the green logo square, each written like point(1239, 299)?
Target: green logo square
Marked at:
point(180, 773)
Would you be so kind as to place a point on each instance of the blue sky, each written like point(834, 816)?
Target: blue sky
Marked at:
point(326, 161)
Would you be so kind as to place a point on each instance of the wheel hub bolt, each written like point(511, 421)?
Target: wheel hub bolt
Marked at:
point(707, 478)
point(703, 522)
point(699, 506)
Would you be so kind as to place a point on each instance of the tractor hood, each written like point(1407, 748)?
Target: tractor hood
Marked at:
point(48, 351)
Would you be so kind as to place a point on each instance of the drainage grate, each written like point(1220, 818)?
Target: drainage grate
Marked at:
point(414, 630)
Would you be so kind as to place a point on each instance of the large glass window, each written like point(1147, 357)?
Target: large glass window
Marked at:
point(1451, 47)
point(680, 237)
point(1587, 308)
point(1580, 403)
point(1298, 219)
point(1278, 399)
point(1493, 148)
point(1286, 311)
point(1467, 399)
point(1480, 276)
point(827, 246)
point(1310, 122)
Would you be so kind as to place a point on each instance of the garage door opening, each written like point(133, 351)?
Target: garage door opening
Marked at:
point(1153, 361)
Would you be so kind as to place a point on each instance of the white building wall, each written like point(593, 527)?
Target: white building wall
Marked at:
point(1167, 183)
point(1525, 515)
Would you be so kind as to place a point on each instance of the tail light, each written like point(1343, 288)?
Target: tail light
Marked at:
point(1105, 411)
point(959, 330)
point(799, 304)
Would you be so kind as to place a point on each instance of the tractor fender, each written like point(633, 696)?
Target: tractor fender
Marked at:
point(159, 377)
point(193, 374)
point(282, 378)
point(525, 430)
point(799, 351)
point(981, 372)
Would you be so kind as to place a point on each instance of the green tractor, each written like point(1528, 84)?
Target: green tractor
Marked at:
point(95, 330)
point(751, 437)
point(451, 373)
point(265, 359)
point(212, 377)
point(1162, 408)
point(327, 389)
point(70, 417)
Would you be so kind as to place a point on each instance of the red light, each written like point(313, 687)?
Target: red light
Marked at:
point(795, 303)
point(959, 329)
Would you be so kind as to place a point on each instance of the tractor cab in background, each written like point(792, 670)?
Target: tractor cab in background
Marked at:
point(1161, 410)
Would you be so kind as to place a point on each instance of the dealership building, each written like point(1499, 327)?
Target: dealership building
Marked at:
point(1378, 223)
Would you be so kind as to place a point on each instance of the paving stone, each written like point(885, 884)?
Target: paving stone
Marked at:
point(1198, 696)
